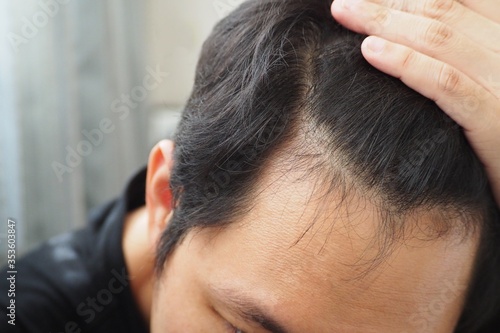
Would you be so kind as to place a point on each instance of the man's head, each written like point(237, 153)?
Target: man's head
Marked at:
point(308, 187)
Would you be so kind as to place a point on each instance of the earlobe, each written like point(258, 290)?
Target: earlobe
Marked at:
point(158, 193)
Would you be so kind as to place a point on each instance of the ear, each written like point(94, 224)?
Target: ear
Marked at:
point(158, 194)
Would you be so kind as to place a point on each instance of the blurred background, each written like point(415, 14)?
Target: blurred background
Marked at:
point(86, 90)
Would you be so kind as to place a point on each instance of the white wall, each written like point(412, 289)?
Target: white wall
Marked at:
point(63, 79)
point(176, 31)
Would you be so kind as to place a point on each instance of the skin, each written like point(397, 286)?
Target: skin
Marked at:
point(314, 281)
point(316, 284)
point(448, 51)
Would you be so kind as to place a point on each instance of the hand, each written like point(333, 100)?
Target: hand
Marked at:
point(448, 51)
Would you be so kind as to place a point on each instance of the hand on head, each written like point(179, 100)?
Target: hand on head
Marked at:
point(448, 51)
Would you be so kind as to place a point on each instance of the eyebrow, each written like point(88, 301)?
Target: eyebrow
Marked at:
point(248, 308)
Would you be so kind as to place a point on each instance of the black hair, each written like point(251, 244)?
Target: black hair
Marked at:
point(274, 70)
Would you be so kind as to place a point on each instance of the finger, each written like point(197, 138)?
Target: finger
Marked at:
point(425, 35)
point(465, 101)
point(486, 8)
point(464, 19)
point(451, 89)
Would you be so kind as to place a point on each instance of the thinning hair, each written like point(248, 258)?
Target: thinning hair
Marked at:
point(276, 70)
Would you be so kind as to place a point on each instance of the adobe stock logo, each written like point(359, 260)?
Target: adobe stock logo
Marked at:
point(424, 320)
point(31, 26)
point(224, 7)
point(88, 309)
point(120, 107)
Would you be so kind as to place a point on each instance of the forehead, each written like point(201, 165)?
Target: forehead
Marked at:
point(310, 258)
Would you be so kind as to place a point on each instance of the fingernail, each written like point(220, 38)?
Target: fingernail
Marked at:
point(375, 44)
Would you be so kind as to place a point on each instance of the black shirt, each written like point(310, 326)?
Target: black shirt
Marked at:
point(78, 282)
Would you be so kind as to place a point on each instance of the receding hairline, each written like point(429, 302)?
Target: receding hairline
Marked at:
point(303, 156)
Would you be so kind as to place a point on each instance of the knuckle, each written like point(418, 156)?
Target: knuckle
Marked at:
point(438, 8)
point(438, 34)
point(409, 60)
point(380, 19)
point(402, 6)
point(409, 6)
point(449, 79)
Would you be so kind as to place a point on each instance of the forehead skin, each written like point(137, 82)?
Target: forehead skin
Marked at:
point(312, 279)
